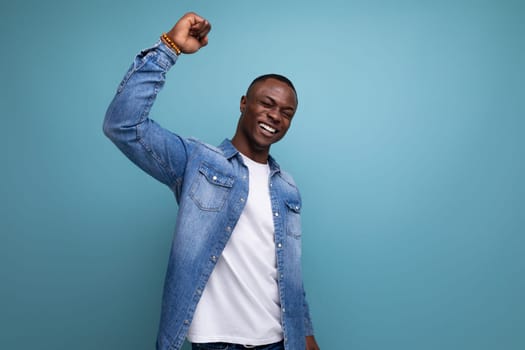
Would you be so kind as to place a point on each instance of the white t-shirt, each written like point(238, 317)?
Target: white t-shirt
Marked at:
point(240, 303)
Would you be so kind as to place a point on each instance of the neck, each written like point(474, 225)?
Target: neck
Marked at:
point(257, 155)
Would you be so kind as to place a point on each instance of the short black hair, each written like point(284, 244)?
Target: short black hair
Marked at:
point(279, 77)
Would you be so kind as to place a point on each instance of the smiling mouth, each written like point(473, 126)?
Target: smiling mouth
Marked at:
point(268, 128)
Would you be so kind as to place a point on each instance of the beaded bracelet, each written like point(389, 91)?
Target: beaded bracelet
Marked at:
point(166, 39)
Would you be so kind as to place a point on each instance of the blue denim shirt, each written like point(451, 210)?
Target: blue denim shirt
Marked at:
point(210, 185)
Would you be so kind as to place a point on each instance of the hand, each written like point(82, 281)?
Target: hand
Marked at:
point(311, 344)
point(190, 33)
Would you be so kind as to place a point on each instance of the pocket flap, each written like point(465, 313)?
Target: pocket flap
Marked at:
point(294, 206)
point(215, 177)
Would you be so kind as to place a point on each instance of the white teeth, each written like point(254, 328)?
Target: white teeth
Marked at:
point(267, 128)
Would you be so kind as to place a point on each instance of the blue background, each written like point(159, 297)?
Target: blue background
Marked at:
point(408, 147)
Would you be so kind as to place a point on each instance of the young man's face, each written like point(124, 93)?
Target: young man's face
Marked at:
point(266, 113)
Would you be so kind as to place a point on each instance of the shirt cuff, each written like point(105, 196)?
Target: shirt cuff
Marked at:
point(164, 56)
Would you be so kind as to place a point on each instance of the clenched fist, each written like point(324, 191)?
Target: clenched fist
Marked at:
point(190, 33)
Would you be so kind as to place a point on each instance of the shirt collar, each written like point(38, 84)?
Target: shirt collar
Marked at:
point(229, 151)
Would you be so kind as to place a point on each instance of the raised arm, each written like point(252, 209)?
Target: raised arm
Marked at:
point(159, 152)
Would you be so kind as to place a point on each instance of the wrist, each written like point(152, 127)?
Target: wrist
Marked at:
point(170, 43)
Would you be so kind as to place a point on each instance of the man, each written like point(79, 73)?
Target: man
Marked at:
point(234, 273)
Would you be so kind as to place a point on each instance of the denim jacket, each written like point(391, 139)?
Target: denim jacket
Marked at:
point(210, 185)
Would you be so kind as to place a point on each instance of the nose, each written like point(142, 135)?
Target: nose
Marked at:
point(273, 114)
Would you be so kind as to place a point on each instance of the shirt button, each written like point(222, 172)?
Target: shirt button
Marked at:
point(279, 245)
point(228, 229)
point(284, 310)
point(186, 322)
point(276, 214)
point(213, 258)
point(214, 178)
point(242, 199)
point(199, 291)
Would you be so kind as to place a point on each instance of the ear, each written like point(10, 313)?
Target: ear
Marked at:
point(243, 104)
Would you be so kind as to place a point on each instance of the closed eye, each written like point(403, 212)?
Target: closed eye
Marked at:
point(266, 104)
point(287, 113)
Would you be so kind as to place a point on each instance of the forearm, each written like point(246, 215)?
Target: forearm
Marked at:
point(311, 343)
point(307, 318)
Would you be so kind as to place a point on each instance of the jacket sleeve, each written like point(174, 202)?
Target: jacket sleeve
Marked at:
point(307, 318)
point(157, 151)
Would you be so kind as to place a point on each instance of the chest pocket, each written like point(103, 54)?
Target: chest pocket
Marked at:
point(210, 188)
point(293, 220)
